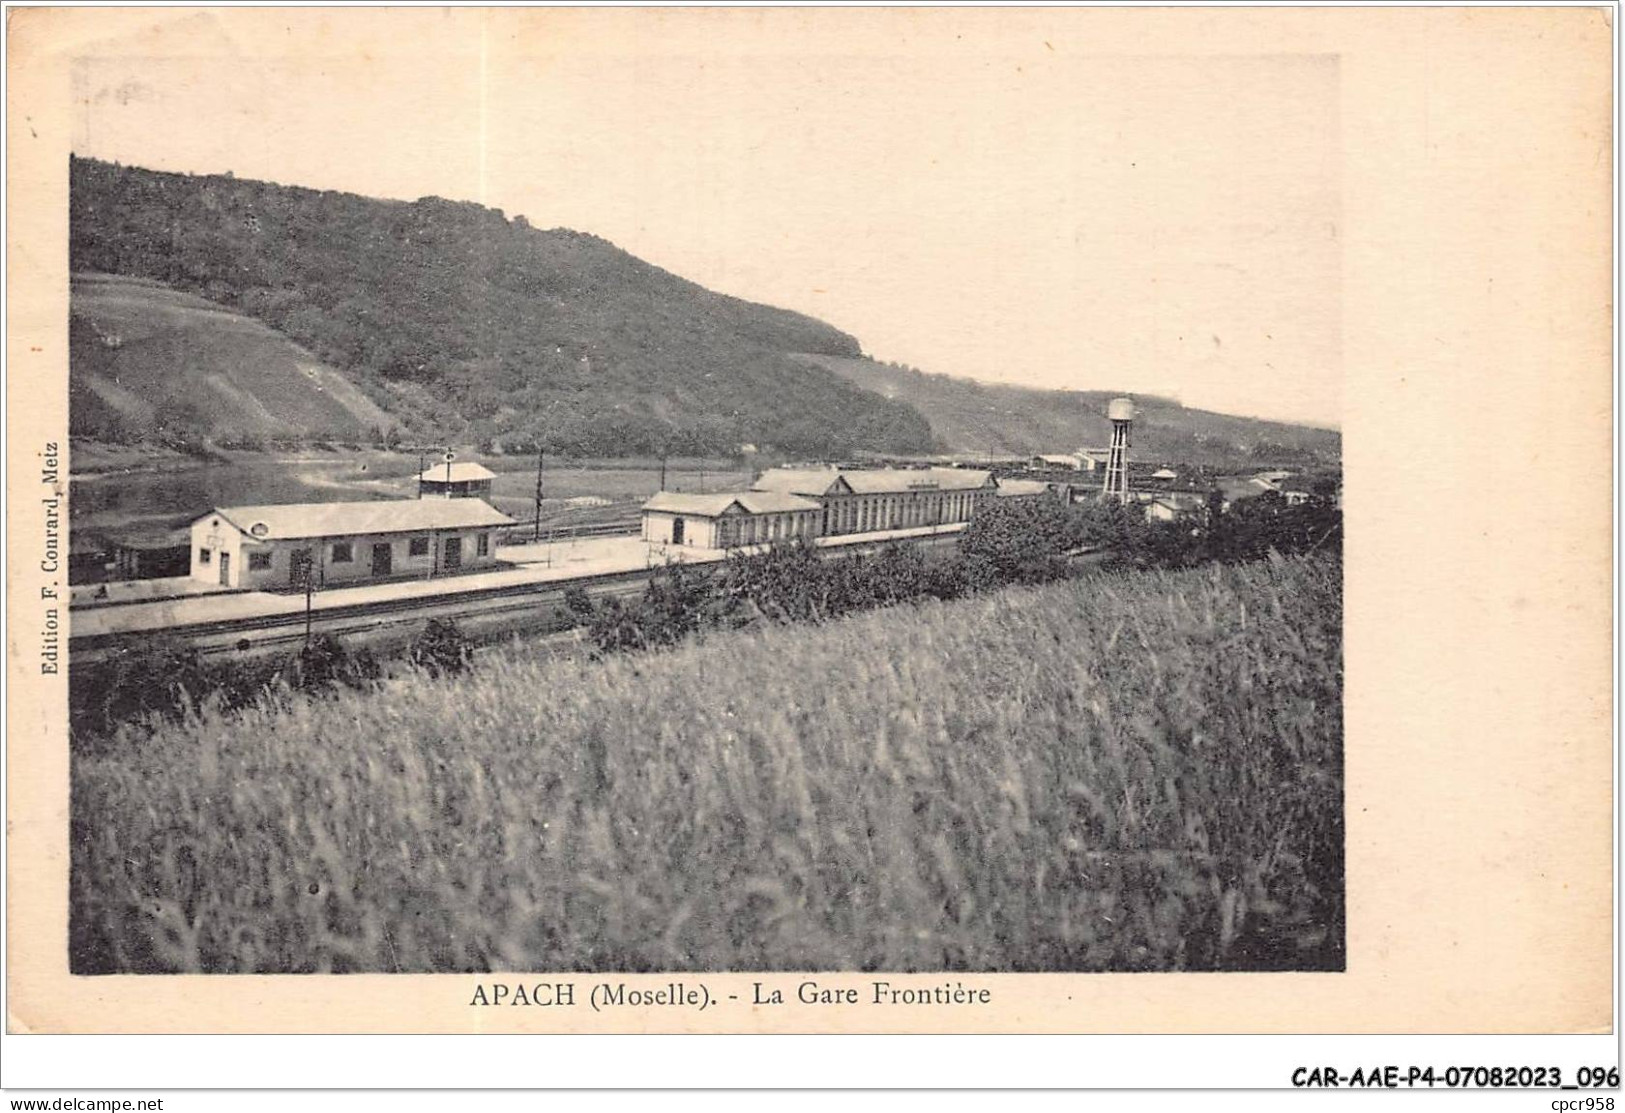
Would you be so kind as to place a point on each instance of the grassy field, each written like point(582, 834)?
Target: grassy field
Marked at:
point(1126, 772)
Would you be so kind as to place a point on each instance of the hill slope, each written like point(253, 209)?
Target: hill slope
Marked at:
point(148, 360)
point(970, 416)
point(469, 325)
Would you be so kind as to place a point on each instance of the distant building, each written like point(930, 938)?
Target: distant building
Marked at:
point(868, 500)
point(1295, 491)
point(788, 503)
point(1167, 505)
point(1085, 459)
point(1235, 488)
point(342, 542)
point(1167, 495)
point(456, 481)
point(728, 520)
point(1165, 508)
point(96, 556)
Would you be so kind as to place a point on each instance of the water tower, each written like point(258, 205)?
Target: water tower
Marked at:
point(1121, 413)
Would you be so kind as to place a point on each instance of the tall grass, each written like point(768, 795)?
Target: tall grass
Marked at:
point(1139, 771)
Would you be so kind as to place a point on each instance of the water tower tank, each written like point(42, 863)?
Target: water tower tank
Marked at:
point(1121, 409)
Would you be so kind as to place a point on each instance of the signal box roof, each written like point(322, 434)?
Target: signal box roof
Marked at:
point(461, 472)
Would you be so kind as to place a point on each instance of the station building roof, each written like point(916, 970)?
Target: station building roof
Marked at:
point(299, 520)
point(716, 505)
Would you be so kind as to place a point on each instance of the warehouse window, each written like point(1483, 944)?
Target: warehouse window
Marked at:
point(483, 545)
point(342, 553)
point(418, 546)
point(203, 556)
point(259, 562)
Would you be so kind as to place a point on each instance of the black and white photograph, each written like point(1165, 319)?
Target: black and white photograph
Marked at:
point(799, 520)
point(691, 532)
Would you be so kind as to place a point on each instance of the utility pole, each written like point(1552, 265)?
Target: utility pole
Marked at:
point(423, 466)
point(303, 569)
point(662, 471)
point(541, 457)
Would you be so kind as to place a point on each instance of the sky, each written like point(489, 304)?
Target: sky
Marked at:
point(1060, 218)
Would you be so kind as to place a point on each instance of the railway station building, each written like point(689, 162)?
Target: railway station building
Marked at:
point(267, 547)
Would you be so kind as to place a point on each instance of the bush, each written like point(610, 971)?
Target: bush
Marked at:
point(1024, 540)
point(441, 648)
point(162, 677)
point(324, 664)
point(579, 603)
point(677, 602)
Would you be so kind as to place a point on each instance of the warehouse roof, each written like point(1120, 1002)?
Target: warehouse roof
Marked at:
point(1016, 488)
point(714, 506)
point(459, 473)
point(871, 481)
point(343, 519)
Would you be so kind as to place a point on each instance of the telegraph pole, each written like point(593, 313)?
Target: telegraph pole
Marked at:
point(541, 457)
point(304, 568)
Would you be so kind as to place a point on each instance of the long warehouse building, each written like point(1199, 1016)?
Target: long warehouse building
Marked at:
point(790, 503)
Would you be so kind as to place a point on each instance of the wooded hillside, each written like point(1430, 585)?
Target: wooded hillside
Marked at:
point(463, 324)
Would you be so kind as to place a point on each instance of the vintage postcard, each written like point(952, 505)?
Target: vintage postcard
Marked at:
point(810, 520)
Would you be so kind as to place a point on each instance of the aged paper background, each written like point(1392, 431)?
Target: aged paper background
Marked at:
point(1476, 174)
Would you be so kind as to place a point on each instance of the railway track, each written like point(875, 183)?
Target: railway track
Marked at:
point(263, 633)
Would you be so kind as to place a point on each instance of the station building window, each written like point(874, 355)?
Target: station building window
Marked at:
point(343, 552)
point(259, 562)
point(482, 546)
point(203, 556)
point(418, 546)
